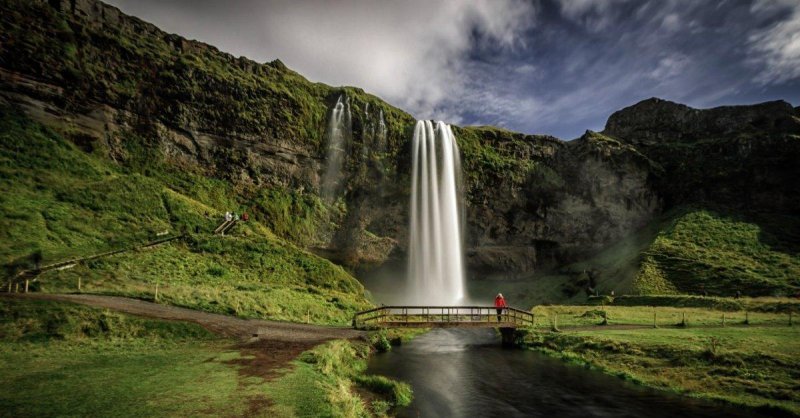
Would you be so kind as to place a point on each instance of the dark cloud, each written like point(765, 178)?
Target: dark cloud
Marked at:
point(546, 66)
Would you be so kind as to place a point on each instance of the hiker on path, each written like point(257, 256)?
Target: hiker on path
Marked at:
point(500, 304)
point(245, 217)
point(228, 216)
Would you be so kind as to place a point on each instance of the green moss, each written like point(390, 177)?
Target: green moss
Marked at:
point(492, 152)
point(299, 217)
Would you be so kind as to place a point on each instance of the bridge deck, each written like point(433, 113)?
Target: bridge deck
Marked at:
point(437, 324)
point(442, 317)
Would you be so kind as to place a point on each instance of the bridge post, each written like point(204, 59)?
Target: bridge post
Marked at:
point(507, 335)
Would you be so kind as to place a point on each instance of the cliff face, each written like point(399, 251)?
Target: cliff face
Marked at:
point(532, 202)
point(567, 200)
point(739, 157)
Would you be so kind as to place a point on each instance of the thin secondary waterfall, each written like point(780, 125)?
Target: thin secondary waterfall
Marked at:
point(374, 143)
point(337, 135)
point(435, 267)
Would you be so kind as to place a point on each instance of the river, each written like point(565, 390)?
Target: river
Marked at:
point(465, 373)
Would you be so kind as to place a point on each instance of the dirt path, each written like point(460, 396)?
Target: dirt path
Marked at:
point(241, 329)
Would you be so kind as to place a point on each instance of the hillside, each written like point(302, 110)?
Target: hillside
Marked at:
point(114, 131)
point(64, 203)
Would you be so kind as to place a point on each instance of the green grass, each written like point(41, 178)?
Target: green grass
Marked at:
point(61, 359)
point(247, 277)
point(572, 316)
point(762, 304)
point(753, 366)
point(323, 383)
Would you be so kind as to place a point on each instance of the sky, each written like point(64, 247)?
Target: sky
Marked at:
point(555, 67)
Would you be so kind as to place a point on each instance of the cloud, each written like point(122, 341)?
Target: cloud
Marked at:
point(594, 15)
point(671, 22)
point(669, 66)
point(777, 48)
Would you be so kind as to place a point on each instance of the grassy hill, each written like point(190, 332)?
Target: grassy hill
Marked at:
point(705, 251)
point(62, 202)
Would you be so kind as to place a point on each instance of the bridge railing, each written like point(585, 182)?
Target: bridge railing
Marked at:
point(439, 316)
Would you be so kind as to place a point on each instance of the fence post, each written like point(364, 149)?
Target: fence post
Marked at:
point(655, 322)
point(747, 317)
point(156, 295)
point(79, 284)
point(308, 315)
point(683, 321)
point(26, 285)
point(16, 287)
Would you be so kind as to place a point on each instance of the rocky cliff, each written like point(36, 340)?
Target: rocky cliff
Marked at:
point(532, 202)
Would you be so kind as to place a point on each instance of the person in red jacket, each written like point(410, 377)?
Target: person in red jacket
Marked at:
point(500, 303)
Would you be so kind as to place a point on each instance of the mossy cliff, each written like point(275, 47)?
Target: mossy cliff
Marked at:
point(252, 136)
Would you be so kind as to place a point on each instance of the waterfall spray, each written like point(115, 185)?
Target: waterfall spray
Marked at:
point(435, 266)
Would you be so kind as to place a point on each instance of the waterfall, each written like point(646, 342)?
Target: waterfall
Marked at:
point(435, 265)
point(380, 133)
point(374, 130)
point(374, 140)
point(338, 136)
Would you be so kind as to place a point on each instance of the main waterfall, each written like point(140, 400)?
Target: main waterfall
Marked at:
point(435, 265)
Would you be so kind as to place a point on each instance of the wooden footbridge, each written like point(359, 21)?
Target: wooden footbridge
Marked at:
point(508, 320)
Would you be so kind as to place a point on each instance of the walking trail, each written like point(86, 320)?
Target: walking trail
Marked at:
point(270, 344)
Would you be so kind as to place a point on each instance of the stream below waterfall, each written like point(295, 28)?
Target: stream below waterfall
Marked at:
point(465, 373)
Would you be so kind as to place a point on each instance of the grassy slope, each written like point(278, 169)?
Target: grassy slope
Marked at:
point(754, 366)
point(700, 250)
point(63, 202)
